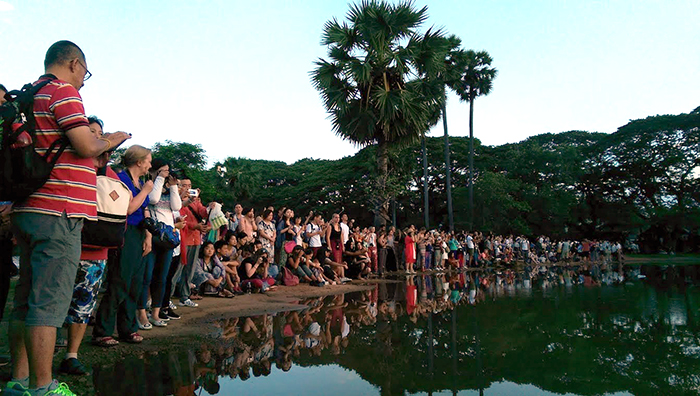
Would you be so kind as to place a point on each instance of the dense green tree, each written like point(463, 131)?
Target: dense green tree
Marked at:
point(643, 180)
point(369, 83)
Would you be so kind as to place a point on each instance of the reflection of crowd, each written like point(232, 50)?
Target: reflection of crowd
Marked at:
point(250, 346)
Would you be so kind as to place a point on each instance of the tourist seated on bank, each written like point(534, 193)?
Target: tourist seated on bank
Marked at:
point(355, 254)
point(223, 254)
point(485, 257)
point(253, 271)
point(318, 270)
point(209, 274)
point(323, 258)
point(297, 263)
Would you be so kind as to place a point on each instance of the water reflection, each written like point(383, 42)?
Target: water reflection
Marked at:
point(581, 330)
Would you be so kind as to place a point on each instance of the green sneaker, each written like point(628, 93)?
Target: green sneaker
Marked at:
point(60, 389)
point(14, 388)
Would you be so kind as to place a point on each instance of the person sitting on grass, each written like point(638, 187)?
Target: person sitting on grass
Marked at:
point(356, 257)
point(223, 254)
point(331, 269)
point(253, 271)
point(317, 268)
point(210, 274)
point(296, 262)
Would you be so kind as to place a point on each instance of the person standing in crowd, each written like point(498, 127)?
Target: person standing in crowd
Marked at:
point(7, 268)
point(236, 217)
point(164, 199)
point(344, 229)
point(372, 245)
point(48, 224)
point(410, 250)
point(247, 224)
point(93, 263)
point(313, 232)
point(195, 215)
point(267, 233)
point(334, 238)
point(125, 274)
point(285, 233)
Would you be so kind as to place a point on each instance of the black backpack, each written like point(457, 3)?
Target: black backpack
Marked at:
point(22, 169)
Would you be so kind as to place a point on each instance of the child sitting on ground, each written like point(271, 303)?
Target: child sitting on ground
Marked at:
point(223, 254)
point(296, 262)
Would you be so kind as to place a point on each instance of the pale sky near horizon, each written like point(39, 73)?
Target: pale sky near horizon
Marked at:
point(233, 76)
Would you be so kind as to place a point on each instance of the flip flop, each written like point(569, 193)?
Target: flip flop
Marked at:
point(133, 338)
point(105, 342)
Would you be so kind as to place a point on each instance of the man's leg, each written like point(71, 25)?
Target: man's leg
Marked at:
point(188, 272)
point(52, 246)
point(6, 268)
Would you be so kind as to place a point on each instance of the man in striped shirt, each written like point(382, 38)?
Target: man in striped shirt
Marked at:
point(48, 224)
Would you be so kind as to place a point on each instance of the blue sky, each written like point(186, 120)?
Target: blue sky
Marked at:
point(233, 75)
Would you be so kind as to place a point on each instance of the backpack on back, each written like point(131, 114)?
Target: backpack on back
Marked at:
point(22, 169)
point(113, 198)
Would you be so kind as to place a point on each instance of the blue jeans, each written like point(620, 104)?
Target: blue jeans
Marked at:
point(157, 267)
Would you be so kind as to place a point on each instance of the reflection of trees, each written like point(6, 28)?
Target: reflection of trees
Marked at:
point(592, 341)
point(578, 340)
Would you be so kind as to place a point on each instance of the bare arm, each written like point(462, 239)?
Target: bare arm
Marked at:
point(137, 201)
point(87, 145)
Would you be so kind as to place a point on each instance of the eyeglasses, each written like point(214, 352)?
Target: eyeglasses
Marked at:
point(87, 72)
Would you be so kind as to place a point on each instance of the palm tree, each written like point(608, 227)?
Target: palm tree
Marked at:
point(370, 84)
point(476, 80)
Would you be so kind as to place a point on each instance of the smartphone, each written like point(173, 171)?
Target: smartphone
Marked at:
point(194, 193)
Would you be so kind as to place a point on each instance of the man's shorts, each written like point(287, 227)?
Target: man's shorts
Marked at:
point(49, 258)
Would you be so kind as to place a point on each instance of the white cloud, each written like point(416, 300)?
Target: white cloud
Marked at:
point(5, 6)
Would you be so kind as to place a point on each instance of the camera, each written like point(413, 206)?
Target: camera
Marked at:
point(150, 225)
point(194, 193)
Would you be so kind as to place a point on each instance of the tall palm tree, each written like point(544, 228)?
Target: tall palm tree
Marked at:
point(370, 84)
point(447, 75)
point(476, 80)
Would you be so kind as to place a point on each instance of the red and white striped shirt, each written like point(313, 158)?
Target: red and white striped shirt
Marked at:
point(58, 108)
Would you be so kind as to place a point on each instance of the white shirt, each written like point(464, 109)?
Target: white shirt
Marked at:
point(470, 242)
point(314, 241)
point(344, 233)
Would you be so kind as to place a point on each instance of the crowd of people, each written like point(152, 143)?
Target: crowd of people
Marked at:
point(204, 251)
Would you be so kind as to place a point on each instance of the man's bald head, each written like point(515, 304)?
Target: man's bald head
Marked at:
point(62, 52)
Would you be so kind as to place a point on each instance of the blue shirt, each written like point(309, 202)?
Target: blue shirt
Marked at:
point(137, 217)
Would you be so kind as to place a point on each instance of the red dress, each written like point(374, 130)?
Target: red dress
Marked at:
point(410, 250)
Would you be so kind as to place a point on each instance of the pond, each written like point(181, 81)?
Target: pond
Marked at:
point(532, 332)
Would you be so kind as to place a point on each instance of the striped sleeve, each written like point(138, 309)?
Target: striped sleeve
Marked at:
point(67, 107)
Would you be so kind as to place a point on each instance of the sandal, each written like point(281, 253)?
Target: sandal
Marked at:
point(133, 338)
point(105, 342)
point(225, 294)
point(195, 297)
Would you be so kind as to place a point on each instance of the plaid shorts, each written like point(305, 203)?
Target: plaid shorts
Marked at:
point(87, 285)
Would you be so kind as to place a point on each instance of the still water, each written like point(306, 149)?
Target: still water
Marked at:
point(529, 333)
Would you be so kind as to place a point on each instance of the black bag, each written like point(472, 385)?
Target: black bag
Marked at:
point(164, 236)
point(22, 169)
point(113, 198)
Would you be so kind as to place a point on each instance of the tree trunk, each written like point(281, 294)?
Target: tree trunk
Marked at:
point(471, 164)
point(448, 176)
point(426, 205)
point(381, 215)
